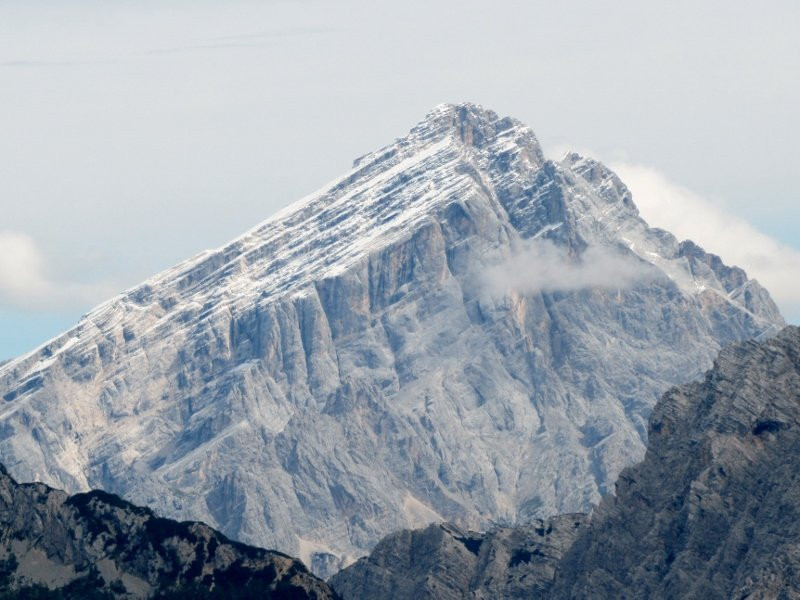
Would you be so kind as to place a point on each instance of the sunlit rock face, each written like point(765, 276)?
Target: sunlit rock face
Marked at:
point(457, 329)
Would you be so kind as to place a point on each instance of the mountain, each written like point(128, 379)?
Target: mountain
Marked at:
point(712, 512)
point(96, 545)
point(458, 329)
point(443, 562)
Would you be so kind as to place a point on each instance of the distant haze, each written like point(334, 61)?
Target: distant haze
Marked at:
point(135, 134)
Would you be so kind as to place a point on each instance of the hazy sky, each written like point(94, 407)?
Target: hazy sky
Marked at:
point(135, 134)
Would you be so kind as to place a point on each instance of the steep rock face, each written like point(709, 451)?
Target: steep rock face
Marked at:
point(443, 562)
point(713, 511)
point(348, 369)
point(95, 542)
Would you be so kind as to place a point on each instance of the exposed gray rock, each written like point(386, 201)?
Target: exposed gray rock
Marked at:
point(713, 511)
point(444, 562)
point(96, 541)
point(348, 369)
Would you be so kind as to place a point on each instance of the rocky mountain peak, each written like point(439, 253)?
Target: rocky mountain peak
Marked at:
point(467, 126)
point(473, 125)
point(439, 334)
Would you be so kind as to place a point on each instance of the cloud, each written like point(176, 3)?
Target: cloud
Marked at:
point(25, 284)
point(543, 267)
point(688, 215)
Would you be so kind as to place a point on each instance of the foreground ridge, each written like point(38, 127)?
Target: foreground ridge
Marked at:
point(442, 561)
point(416, 342)
point(96, 545)
point(713, 510)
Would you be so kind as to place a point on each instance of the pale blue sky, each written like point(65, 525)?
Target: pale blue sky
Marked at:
point(135, 134)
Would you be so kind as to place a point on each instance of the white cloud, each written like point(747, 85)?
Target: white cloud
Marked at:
point(687, 215)
point(542, 266)
point(25, 283)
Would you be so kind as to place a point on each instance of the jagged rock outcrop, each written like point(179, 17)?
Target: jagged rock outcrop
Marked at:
point(458, 329)
point(96, 544)
point(444, 562)
point(713, 510)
